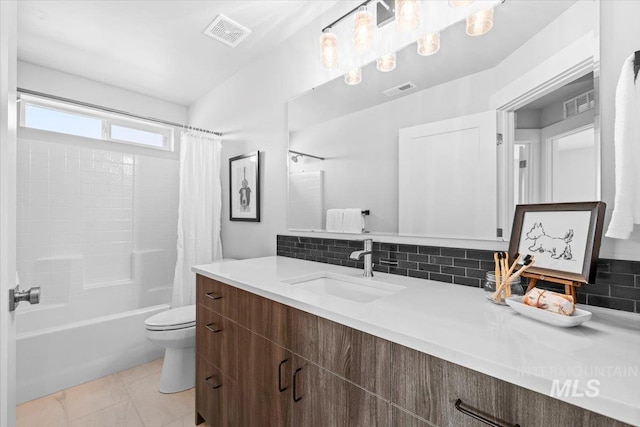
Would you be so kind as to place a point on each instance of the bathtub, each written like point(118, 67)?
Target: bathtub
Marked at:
point(51, 359)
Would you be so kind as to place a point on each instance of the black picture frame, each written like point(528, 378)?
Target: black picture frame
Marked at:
point(576, 222)
point(244, 187)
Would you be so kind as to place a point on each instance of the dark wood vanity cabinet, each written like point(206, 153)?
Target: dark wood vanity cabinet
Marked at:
point(262, 363)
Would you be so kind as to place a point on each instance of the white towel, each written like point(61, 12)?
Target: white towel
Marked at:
point(626, 210)
point(353, 221)
point(335, 220)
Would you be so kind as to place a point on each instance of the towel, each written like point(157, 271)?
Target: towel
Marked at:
point(626, 209)
point(334, 220)
point(353, 221)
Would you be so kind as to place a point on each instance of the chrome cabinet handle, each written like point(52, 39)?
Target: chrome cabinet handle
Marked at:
point(213, 295)
point(295, 398)
point(212, 386)
point(209, 327)
point(475, 416)
point(280, 388)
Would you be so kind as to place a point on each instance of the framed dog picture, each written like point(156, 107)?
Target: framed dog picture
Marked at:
point(564, 238)
point(244, 187)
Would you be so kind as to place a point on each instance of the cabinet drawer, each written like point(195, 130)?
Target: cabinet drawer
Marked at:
point(359, 357)
point(216, 396)
point(216, 340)
point(265, 317)
point(216, 296)
point(430, 387)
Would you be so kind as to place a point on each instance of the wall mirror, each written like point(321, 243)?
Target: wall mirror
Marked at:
point(446, 145)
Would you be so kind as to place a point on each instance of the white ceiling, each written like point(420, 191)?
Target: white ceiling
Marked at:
point(155, 48)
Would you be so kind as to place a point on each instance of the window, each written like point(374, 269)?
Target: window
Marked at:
point(70, 119)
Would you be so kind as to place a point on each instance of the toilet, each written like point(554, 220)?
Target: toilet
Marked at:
point(175, 330)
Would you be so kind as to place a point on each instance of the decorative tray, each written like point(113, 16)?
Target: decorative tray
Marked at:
point(577, 318)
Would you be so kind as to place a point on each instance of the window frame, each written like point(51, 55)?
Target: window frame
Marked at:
point(107, 119)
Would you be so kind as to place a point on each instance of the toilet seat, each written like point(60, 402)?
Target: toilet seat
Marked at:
point(174, 319)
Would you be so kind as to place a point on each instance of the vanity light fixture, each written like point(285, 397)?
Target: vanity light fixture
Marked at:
point(361, 41)
point(429, 44)
point(328, 49)
point(460, 3)
point(386, 62)
point(353, 77)
point(480, 23)
point(407, 15)
point(363, 29)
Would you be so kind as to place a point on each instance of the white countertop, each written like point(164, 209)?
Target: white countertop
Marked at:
point(458, 324)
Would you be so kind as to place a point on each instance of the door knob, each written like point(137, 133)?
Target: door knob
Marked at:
point(32, 296)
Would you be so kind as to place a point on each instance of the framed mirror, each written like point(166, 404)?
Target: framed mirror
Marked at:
point(435, 147)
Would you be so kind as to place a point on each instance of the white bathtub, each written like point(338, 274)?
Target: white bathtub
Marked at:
point(55, 358)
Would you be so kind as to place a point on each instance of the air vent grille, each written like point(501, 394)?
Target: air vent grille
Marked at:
point(399, 89)
point(227, 31)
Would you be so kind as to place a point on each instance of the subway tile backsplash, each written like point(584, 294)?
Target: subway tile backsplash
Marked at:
point(617, 283)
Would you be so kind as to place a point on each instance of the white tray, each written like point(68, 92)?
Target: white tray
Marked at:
point(578, 317)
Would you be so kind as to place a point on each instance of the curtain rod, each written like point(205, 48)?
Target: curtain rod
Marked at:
point(112, 110)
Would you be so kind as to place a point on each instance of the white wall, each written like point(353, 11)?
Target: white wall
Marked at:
point(34, 77)
point(252, 106)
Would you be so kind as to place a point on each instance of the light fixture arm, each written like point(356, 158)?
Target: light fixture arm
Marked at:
point(355, 9)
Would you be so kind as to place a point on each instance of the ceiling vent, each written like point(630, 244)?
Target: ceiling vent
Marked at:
point(227, 31)
point(399, 89)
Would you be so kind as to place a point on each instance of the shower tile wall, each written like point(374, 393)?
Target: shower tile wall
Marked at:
point(82, 212)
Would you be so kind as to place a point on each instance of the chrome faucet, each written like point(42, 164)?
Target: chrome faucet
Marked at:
point(366, 253)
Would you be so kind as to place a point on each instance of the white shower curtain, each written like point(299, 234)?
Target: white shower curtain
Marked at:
point(198, 213)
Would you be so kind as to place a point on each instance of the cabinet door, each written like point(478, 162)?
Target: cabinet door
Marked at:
point(216, 341)
point(264, 317)
point(216, 396)
point(324, 399)
point(418, 384)
point(400, 418)
point(359, 357)
point(264, 375)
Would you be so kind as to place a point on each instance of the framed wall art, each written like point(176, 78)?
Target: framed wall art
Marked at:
point(244, 187)
point(564, 238)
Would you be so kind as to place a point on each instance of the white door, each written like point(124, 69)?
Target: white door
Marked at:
point(448, 178)
point(8, 18)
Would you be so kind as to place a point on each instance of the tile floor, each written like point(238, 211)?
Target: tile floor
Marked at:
point(128, 398)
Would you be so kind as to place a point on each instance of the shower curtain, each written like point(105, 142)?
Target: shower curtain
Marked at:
point(198, 212)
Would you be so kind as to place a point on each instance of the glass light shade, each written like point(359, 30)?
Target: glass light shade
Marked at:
point(363, 30)
point(460, 3)
point(329, 50)
point(386, 62)
point(407, 15)
point(480, 23)
point(429, 44)
point(353, 77)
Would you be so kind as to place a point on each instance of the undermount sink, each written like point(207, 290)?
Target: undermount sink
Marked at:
point(346, 287)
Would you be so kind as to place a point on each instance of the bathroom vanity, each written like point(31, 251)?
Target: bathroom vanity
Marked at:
point(288, 342)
